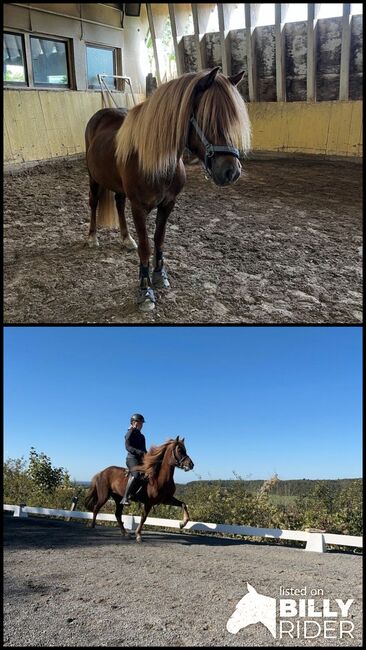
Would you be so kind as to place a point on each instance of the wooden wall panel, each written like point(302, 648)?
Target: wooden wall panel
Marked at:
point(41, 125)
point(325, 128)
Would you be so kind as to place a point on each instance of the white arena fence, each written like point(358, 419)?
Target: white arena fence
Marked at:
point(315, 540)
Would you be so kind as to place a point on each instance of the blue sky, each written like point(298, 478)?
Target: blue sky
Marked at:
point(250, 400)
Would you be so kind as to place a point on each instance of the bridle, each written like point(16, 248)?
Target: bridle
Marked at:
point(179, 461)
point(211, 149)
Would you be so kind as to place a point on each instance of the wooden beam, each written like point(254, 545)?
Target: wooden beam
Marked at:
point(176, 40)
point(250, 21)
point(153, 38)
point(311, 53)
point(223, 14)
point(345, 53)
point(280, 53)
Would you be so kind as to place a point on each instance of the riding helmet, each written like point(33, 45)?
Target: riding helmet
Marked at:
point(137, 417)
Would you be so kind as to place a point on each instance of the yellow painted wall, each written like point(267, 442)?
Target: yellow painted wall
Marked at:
point(330, 128)
point(39, 125)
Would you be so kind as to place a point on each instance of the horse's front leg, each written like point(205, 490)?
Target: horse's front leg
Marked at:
point(143, 519)
point(172, 501)
point(145, 294)
point(160, 276)
point(118, 515)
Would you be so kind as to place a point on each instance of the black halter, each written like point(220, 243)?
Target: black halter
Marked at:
point(211, 149)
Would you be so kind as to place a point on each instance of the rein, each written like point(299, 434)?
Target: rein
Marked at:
point(211, 149)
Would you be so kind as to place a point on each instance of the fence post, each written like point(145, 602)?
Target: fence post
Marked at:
point(315, 541)
point(73, 506)
point(19, 512)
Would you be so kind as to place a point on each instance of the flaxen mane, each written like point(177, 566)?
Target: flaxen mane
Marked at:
point(151, 463)
point(157, 129)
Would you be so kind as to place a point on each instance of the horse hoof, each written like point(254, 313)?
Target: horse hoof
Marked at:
point(129, 243)
point(138, 539)
point(146, 299)
point(93, 241)
point(160, 279)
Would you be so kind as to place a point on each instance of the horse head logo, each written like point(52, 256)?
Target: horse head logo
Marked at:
point(253, 608)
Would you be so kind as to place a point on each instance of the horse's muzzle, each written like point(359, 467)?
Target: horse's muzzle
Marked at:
point(226, 174)
point(188, 466)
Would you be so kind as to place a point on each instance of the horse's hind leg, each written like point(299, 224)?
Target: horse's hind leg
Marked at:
point(102, 496)
point(127, 241)
point(160, 276)
point(93, 203)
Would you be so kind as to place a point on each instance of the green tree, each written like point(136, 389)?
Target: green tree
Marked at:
point(17, 484)
point(44, 476)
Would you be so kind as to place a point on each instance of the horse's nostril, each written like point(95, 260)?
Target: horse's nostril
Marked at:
point(229, 174)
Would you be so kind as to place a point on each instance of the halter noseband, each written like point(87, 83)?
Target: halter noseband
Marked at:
point(211, 149)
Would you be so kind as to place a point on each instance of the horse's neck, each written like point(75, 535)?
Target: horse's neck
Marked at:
point(166, 472)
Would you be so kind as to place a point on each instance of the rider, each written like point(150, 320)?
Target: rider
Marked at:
point(136, 447)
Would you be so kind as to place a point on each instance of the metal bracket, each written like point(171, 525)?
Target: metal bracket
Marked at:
point(104, 87)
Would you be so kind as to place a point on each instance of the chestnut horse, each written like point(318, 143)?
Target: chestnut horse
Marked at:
point(158, 468)
point(138, 154)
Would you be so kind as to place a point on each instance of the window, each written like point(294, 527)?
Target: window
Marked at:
point(49, 62)
point(266, 15)
point(330, 10)
point(100, 60)
point(14, 60)
point(296, 11)
point(356, 8)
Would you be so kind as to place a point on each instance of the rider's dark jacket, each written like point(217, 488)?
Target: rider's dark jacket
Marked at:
point(135, 445)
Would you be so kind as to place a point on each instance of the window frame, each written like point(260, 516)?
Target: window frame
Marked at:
point(110, 48)
point(18, 84)
point(28, 63)
point(67, 86)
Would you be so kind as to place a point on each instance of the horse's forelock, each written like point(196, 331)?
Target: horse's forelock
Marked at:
point(222, 113)
point(168, 110)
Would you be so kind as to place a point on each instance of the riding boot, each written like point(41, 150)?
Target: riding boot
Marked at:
point(131, 483)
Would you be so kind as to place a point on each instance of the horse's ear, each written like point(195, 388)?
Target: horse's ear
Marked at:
point(236, 78)
point(182, 440)
point(177, 439)
point(250, 588)
point(207, 80)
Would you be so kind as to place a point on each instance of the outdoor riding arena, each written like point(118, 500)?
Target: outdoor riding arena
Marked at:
point(282, 245)
point(69, 585)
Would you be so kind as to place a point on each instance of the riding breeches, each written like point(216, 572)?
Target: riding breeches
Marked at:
point(131, 462)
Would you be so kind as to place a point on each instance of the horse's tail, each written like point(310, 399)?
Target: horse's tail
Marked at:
point(107, 216)
point(91, 498)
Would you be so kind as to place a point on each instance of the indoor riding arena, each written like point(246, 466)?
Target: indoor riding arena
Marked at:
point(282, 244)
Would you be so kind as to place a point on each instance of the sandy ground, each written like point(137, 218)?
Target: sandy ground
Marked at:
point(68, 585)
point(283, 245)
